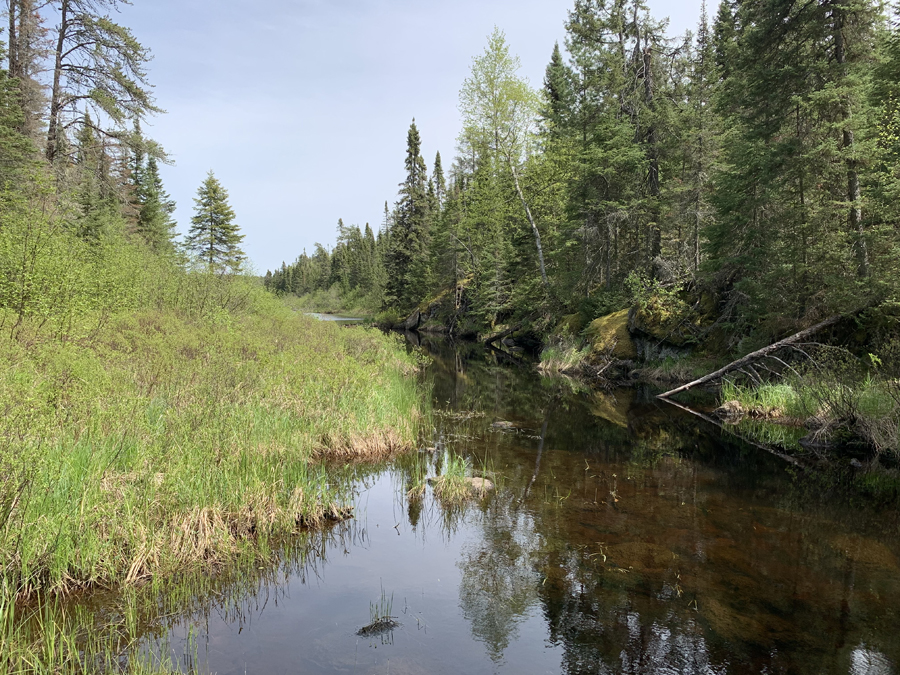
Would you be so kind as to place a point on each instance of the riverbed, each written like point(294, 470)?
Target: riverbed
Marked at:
point(622, 536)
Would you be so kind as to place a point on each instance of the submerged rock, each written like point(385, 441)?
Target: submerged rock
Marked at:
point(378, 627)
point(730, 412)
point(480, 484)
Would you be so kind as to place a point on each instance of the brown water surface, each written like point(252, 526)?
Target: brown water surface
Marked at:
point(623, 537)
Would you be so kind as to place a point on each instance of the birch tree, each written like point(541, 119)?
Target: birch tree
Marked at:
point(499, 112)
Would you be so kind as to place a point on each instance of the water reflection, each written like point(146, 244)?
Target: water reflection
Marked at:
point(623, 537)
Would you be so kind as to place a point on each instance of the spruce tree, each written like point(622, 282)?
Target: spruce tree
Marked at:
point(789, 197)
point(214, 236)
point(440, 183)
point(155, 208)
point(407, 258)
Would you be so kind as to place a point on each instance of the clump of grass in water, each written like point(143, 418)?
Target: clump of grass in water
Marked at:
point(769, 400)
point(456, 485)
point(380, 619)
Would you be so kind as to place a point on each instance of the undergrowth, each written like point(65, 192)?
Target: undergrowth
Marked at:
point(842, 400)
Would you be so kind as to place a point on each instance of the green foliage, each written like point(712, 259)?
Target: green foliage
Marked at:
point(351, 278)
point(407, 258)
point(214, 236)
point(99, 66)
point(154, 218)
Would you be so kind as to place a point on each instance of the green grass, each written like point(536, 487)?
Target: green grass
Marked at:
point(167, 444)
point(563, 357)
point(770, 400)
point(452, 485)
point(160, 445)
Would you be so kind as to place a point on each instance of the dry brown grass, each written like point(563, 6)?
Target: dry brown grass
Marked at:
point(369, 447)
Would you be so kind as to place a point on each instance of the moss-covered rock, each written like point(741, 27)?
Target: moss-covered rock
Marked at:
point(570, 324)
point(678, 319)
point(609, 335)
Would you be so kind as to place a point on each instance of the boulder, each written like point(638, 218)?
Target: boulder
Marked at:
point(730, 412)
point(609, 335)
point(412, 322)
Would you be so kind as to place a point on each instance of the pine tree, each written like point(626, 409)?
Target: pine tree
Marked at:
point(214, 236)
point(407, 258)
point(99, 64)
point(155, 208)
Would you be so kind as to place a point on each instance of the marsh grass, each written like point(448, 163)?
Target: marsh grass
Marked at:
point(158, 444)
point(563, 356)
point(165, 445)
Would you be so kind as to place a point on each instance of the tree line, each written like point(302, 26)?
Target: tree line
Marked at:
point(76, 169)
point(755, 158)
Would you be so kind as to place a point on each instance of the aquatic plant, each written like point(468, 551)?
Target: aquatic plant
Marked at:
point(380, 619)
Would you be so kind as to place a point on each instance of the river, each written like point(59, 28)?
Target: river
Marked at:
point(623, 536)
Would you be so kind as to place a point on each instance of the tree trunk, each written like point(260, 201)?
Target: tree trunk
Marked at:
point(13, 42)
point(853, 190)
point(655, 243)
point(56, 93)
point(753, 356)
point(534, 229)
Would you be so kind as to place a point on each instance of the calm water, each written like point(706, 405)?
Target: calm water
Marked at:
point(339, 318)
point(624, 537)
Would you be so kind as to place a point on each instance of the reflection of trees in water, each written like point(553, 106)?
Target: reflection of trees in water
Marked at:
point(499, 582)
point(716, 560)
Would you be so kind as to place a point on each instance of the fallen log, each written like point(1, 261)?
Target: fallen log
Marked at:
point(758, 354)
point(762, 446)
point(494, 337)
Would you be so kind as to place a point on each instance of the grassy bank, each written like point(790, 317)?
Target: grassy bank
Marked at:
point(837, 410)
point(162, 423)
point(161, 444)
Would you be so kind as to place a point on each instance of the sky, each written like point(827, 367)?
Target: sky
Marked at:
point(301, 107)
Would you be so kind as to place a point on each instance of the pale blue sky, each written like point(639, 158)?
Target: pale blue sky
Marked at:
point(301, 107)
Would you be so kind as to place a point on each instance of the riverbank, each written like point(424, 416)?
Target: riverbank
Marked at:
point(159, 444)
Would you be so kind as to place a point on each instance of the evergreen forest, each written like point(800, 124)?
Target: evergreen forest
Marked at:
point(184, 452)
point(747, 170)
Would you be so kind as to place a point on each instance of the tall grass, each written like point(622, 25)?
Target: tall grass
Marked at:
point(783, 399)
point(158, 421)
point(162, 444)
point(842, 402)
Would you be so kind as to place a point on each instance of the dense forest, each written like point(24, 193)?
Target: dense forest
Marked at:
point(751, 165)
